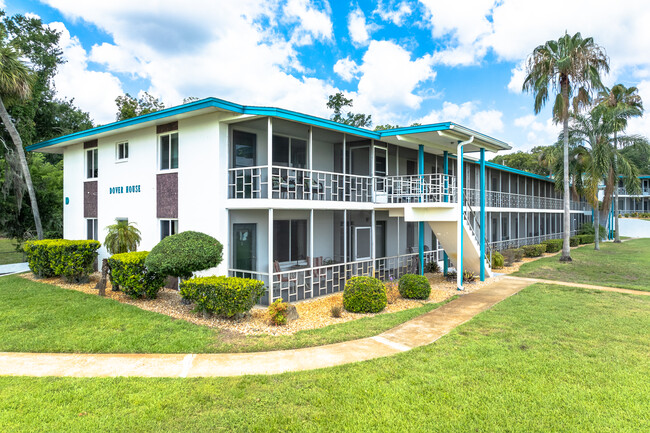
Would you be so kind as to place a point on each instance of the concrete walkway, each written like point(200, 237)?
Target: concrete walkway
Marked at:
point(417, 332)
point(13, 268)
point(581, 285)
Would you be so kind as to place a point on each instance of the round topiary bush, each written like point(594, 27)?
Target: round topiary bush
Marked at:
point(181, 254)
point(414, 287)
point(364, 295)
point(497, 260)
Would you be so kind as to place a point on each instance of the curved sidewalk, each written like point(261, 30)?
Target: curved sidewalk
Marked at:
point(417, 332)
point(580, 285)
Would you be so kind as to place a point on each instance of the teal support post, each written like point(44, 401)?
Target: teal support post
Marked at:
point(461, 206)
point(445, 168)
point(421, 224)
point(482, 228)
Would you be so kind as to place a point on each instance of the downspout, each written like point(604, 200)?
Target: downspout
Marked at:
point(461, 220)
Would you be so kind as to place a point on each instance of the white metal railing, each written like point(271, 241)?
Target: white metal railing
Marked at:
point(505, 244)
point(425, 188)
point(623, 191)
point(519, 201)
point(312, 281)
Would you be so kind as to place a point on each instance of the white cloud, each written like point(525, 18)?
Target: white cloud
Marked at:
point(389, 78)
point(517, 78)
point(537, 133)
point(392, 13)
point(359, 30)
point(92, 91)
point(346, 69)
point(223, 49)
point(467, 114)
point(28, 15)
point(641, 125)
point(312, 22)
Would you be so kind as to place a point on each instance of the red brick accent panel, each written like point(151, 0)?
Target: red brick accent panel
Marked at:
point(90, 199)
point(167, 127)
point(167, 195)
point(90, 144)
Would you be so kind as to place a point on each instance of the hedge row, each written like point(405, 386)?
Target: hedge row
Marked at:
point(364, 295)
point(129, 274)
point(224, 296)
point(553, 245)
point(534, 250)
point(72, 260)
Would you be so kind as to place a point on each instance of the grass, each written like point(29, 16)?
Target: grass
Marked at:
point(38, 317)
point(548, 359)
point(625, 265)
point(8, 253)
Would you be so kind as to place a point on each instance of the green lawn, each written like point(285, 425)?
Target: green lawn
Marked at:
point(548, 359)
point(625, 265)
point(38, 317)
point(8, 253)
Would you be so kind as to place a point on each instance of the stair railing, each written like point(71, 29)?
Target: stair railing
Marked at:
point(472, 221)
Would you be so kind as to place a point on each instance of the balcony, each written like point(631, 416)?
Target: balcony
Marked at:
point(518, 201)
point(303, 184)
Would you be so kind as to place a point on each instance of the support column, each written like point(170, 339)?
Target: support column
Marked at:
point(445, 170)
point(421, 223)
point(482, 223)
point(269, 156)
point(310, 145)
point(345, 235)
point(311, 238)
point(373, 235)
point(461, 218)
point(270, 255)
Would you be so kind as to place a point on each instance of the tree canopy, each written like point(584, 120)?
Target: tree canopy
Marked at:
point(129, 107)
point(337, 103)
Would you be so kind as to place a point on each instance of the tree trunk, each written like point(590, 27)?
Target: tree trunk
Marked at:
point(18, 143)
point(617, 236)
point(597, 227)
point(566, 247)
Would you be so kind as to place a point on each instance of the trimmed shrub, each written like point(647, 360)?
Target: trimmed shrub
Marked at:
point(278, 312)
point(553, 245)
point(364, 295)
point(534, 250)
point(588, 229)
point(512, 255)
point(574, 241)
point(414, 287)
point(181, 254)
point(469, 276)
point(38, 257)
point(224, 296)
point(130, 274)
point(587, 239)
point(72, 260)
point(497, 260)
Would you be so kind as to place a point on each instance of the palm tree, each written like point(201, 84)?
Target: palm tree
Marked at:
point(591, 137)
point(122, 237)
point(16, 85)
point(572, 66)
point(619, 103)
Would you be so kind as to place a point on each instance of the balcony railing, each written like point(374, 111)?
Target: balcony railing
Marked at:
point(504, 244)
point(623, 191)
point(309, 282)
point(424, 188)
point(518, 201)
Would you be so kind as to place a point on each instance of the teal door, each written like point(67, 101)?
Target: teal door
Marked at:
point(245, 248)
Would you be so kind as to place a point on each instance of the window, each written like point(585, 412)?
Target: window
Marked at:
point(91, 163)
point(168, 228)
point(122, 151)
point(244, 149)
point(169, 151)
point(91, 229)
point(289, 152)
point(289, 240)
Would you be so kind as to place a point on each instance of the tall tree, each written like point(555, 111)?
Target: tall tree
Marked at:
point(337, 103)
point(16, 84)
point(571, 67)
point(128, 106)
point(619, 104)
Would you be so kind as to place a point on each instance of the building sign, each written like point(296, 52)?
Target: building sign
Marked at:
point(124, 189)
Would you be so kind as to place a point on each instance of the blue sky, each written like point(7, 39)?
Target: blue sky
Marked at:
point(402, 61)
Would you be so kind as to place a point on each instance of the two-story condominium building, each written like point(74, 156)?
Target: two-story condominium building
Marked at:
point(301, 202)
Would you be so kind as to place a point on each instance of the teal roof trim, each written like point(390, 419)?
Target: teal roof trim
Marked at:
point(242, 109)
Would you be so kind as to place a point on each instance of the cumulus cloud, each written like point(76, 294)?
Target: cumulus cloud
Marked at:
point(346, 69)
point(392, 12)
point(312, 22)
point(359, 30)
point(92, 91)
point(467, 114)
point(390, 79)
point(537, 133)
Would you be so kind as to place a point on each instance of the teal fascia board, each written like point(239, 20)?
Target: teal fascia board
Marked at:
point(241, 109)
